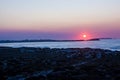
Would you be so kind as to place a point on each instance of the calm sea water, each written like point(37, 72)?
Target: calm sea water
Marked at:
point(112, 44)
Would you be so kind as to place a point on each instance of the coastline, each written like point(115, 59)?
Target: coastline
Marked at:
point(48, 40)
point(28, 63)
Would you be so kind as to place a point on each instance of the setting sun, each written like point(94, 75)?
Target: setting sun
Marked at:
point(84, 36)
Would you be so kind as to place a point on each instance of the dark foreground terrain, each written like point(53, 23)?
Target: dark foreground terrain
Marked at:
point(59, 64)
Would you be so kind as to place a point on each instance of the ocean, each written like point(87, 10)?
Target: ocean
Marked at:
point(111, 44)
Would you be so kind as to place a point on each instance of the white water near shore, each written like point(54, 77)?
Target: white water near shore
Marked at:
point(112, 44)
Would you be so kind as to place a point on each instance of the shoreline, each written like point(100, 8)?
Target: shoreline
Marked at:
point(20, 41)
point(52, 40)
point(28, 63)
point(61, 48)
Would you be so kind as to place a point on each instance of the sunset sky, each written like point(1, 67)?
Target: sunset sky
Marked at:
point(59, 19)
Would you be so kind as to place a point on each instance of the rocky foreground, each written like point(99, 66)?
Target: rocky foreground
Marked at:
point(59, 64)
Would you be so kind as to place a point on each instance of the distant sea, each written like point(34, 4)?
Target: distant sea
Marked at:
point(111, 44)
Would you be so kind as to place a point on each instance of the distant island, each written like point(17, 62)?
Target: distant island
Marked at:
point(50, 40)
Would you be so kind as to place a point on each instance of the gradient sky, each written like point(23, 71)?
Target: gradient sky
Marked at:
point(59, 19)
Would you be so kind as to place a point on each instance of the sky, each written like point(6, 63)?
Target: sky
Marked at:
point(59, 19)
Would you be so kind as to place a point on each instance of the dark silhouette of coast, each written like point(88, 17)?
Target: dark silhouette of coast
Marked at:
point(48, 40)
point(59, 64)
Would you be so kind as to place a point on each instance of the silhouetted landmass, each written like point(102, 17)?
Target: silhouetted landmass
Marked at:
point(13, 41)
point(95, 39)
point(49, 40)
point(105, 38)
point(59, 64)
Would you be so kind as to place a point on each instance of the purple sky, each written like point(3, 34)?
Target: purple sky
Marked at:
point(59, 19)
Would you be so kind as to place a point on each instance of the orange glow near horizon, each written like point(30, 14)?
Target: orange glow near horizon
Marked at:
point(85, 36)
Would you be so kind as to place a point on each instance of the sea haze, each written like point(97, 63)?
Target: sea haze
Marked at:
point(112, 44)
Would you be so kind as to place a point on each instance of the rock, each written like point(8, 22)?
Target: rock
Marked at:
point(36, 78)
point(59, 64)
point(17, 77)
point(42, 73)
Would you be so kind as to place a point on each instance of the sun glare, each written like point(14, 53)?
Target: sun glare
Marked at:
point(84, 36)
